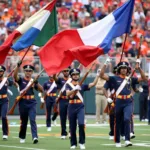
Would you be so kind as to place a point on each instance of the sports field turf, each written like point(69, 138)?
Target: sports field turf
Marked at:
point(96, 137)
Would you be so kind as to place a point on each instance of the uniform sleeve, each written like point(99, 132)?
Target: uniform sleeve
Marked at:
point(10, 82)
point(112, 79)
point(36, 87)
point(85, 87)
point(19, 80)
point(58, 81)
point(106, 85)
point(135, 81)
point(44, 86)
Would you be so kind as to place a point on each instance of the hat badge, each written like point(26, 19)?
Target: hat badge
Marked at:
point(123, 63)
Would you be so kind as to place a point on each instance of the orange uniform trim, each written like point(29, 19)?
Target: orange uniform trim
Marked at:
point(64, 97)
point(3, 96)
point(28, 97)
point(123, 96)
point(75, 101)
point(51, 94)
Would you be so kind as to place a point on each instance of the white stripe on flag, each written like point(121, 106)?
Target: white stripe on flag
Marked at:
point(39, 25)
point(30, 22)
point(95, 33)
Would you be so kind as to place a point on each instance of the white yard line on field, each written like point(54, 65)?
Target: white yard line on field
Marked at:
point(88, 125)
point(18, 147)
point(134, 144)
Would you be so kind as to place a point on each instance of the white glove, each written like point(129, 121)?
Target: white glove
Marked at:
point(108, 60)
point(40, 94)
point(42, 100)
point(18, 89)
point(140, 89)
point(98, 72)
point(138, 61)
point(10, 92)
point(77, 87)
point(109, 100)
point(148, 98)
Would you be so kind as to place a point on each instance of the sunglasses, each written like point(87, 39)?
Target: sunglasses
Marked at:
point(75, 74)
point(28, 71)
point(66, 71)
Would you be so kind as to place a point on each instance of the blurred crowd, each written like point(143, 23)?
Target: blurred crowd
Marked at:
point(77, 14)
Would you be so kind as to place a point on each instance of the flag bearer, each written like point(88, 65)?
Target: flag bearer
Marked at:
point(123, 99)
point(76, 107)
point(63, 102)
point(27, 105)
point(4, 83)
point(50, 89)
point(110, 86)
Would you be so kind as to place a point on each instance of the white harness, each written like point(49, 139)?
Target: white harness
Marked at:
point(51, 87)
point(29, 83)
point(3, 82)
point(78, 93)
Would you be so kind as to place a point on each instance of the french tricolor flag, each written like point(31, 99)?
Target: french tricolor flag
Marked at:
point(86, 44)
point(37, 30)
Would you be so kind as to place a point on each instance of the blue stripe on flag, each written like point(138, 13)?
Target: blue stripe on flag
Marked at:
point(24, 41)
point(123, 17)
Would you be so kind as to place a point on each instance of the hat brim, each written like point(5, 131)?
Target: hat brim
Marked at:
point(2, 70)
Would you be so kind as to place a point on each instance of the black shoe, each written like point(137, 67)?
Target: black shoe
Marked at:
point(35, 140)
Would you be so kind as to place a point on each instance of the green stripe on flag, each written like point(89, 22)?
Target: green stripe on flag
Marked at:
point(50, 28)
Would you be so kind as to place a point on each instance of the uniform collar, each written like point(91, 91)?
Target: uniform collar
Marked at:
point(121, 76)
point(27, 79)
point(66, 78)
point(75, 83)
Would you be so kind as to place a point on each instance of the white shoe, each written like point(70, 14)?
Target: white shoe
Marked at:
point(111, 137)
point(146, 120)
point(127, 143)
point(104, 122)
point(142, 120)
point(35, 140)
point(123, 138)
point(132, 135)
point(73, 147)
point(5, 137)
point(82, 146)
point(118, 144)
point(97, 123)
point(63, 137)
point(49, 129)
point(54, 122)
point(22, 140)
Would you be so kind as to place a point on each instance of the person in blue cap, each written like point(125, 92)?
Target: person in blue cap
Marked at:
point(76, 107)
point(27, 105)
point(50, 88)
point(4, 101)
point(123, 105)
point(63, 101)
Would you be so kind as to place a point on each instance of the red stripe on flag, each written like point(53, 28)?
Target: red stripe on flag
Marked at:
point(5, 47)
point(50, 6)
point(65, 47)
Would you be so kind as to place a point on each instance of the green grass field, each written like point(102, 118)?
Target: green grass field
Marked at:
point(96, 138)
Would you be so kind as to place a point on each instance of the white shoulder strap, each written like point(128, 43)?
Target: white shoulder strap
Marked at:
point(29, 83)
point(123, 84)
point(51, 87)
point(63, 88)
point(3, 82)
point(78, 93)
